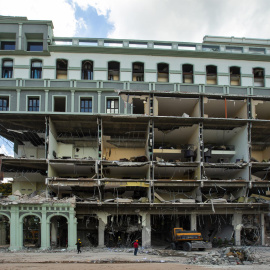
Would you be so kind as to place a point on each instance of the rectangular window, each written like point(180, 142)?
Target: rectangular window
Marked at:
point(112, 105)
point(86, 105)
point(33, 104)
point(8, 45)
point(35, 46)
point(4, 104)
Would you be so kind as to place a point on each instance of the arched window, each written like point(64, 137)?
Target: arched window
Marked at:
point(163, 72)
point(258, 76)
point(211, 74)
point(36, 69)
point(113, 71)
point(138, 71)
point(187, 71)
point(7, 68)
point(87, 70)
point(61, 69)
point(235, 76)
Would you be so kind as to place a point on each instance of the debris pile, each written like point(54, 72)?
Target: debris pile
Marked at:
point(226, 256)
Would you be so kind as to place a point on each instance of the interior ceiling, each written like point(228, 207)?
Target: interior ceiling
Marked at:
point(219, 136)
point(175, 135)
point(216, 107)
point(131, 172)
point(260, 132)
point(71, 168)
point(263, 110)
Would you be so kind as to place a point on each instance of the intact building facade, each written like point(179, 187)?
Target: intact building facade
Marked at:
point(131, 138)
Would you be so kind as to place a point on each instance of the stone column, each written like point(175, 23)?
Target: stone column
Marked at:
point(146, 229)
point(193, 222)
point(72, 230)
point(262, 230)
point(102, 221)
point(72, 100)
point(14, 229)
point(45, 239)
point(99, 102)
point(237, 224)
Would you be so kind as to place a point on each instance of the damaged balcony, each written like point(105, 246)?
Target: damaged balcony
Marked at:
point(175, 143)
point(225, 108)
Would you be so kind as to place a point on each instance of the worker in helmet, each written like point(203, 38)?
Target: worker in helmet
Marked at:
point(79, 244)
point(136, 246)
point(119, 241)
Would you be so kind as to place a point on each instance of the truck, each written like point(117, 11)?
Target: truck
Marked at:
point(188, 240)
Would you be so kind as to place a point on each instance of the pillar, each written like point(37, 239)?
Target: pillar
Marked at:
point(262, 230)
point(72, 101)
point(14, 229)
point(99, 102)
point(46, 100)
point(72, 230)
point(237, 224)
point(45, 238)
point(18, 99)
point(193, 222)
point(54, 232)
point(146, 229)
point(102, 221)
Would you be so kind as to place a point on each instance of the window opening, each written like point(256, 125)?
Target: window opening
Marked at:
point(211, 75)
point(138, 71)
point(61, 69)
point(258, 74)
point(36, 69)
point(86, 105)
point(4, 103)
point(112, 105)
point(235, 76)
point(113, 71)
point(187, 71)
point(35, 46)
point(8, 45)
point(163, 72)
point(7, 69)
point(87, 70)
point(33, 104)
point(59, 104)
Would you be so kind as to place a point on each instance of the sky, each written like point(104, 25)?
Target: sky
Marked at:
point(171, 20)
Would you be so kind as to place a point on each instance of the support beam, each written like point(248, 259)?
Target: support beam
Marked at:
point(193, 222)
point(262, 230)
point(237, 224)
point(146, 231)
point(102, 218)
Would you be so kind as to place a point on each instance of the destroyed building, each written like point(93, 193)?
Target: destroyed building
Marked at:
point(117, 140)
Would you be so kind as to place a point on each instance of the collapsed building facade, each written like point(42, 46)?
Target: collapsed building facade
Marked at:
point(117, 140)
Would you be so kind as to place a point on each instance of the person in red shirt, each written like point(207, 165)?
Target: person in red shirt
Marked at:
point(136, 246)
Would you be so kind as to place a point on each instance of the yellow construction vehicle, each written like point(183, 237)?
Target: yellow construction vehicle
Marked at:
point(188, 240)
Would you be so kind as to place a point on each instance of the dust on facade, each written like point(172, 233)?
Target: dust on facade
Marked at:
point(132, 138)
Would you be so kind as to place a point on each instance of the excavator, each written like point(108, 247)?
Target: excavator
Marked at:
point(188, 240)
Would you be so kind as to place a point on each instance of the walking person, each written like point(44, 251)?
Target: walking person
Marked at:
point(79, 244)
point(136, 246)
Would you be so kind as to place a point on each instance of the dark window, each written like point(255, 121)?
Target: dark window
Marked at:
point(87, 70)
point(86, 105)
point(235, 76)
point(211, 74)
point(7, 69)
point(187, 71)
point(112, 105)
point(61, 69)
point(113, 71)
point(138, 71)
point(33, 104)
point(163, 72)
point(4, 104)
point(258, 74)
point(8, 45)
point(36, 69)
point(59, 104)
point(35, 46)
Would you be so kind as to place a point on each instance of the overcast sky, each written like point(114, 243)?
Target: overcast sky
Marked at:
point(173, 20)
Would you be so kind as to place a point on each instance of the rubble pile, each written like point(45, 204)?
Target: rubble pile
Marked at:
point(227, 256)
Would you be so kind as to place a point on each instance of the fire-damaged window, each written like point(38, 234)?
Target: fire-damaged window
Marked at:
point(137, 71)
point(33, 104)
point(87, 70)
point(61, 69)
point(163, 72)
point(86, 105)
point(211, 74)
point(235, 78)
point(7, 68)
point(113, 71)
point(4, 103)
point(258, 75)
point(112, 105)
point(187, 71)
